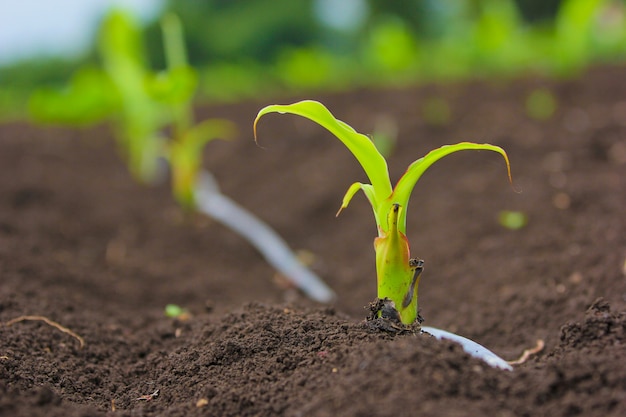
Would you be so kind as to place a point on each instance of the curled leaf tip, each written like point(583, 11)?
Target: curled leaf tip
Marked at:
point(256, 139)
point(508, 169)
point(256, 121)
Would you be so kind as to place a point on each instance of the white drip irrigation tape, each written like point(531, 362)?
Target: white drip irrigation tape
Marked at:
point(212, 202)
point(471, 347)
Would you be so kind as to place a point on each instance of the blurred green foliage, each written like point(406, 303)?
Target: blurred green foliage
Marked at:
point(150, 111)
point(221, 30)
point(541, 104)
point(513, 220)
point(17, 81)
point(249, 48)
point(436, 111)
point(88, 98)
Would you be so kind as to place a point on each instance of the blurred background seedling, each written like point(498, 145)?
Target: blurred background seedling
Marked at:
point(513, 220)
point(541, 104)
point(175, 311)
point(436, 111)
point(385, 134)
point(151, 113)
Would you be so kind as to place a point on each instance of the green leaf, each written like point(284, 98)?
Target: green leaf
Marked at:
point(397, 276)
point(360, 145)
point(173, 310)
point(354, 188)
point(405, 185)
point(120, 40)
point(185, 156)
point(513, 220)
point(173, 41)
point(89, 98)
point(541, 104)
point(207, 130)
point(140, 117)
point(174, 86)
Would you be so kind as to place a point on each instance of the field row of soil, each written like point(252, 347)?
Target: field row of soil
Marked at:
point(83, 245)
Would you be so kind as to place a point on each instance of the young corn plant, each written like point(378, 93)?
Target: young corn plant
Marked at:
point(152, 116)
point(398, 274)
point(151, 101)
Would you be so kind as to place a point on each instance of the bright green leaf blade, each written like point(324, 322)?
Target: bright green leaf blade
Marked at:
point(120, 47)
point(367, 189)
point(403, 189)
point(208, 130)
point(360, 145)
point(173, 41)
point(185, 156)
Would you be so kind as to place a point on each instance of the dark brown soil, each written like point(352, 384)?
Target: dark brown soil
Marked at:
point(85, 246)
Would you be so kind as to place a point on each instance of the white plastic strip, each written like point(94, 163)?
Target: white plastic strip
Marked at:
point(212, 202)
point(471, 347)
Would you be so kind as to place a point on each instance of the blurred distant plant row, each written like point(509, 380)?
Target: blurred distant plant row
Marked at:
point(259, 47)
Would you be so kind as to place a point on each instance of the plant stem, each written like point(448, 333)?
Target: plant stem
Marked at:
point(176, 58)
point(210, 201)
point(396, 278)
point(173, 40)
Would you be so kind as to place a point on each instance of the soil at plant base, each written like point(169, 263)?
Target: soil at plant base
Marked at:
point(83, 245)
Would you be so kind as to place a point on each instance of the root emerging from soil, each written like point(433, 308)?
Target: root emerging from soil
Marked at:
point(49, 322)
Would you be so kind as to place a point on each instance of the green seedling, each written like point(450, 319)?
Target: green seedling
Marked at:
point(175, 311)
point(152, 115)
point(140, 103)
point(152, 101)
point(398, 274)
point(513, 220)
point(175, 88)
point(385, 134)
point(541, 104)
point(436, 111)
point(88, 98)
point(139, 118)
